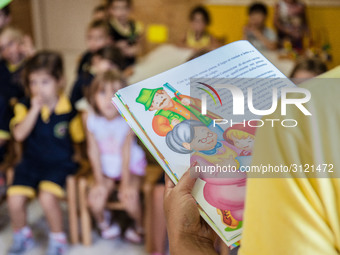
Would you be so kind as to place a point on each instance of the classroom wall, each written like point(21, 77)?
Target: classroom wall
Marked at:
point(22, 16)
point(61, 24)
point(173, 14)
point(229, 20)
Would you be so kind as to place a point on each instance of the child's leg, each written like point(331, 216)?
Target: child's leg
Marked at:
point(52, 209)
point(17, 203)
point(98, 197)
point(133, 204)
point(50, 193)
point(17, 210)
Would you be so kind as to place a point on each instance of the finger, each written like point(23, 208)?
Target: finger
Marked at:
point(187, 182)
point(168, 182)
point(169, 185)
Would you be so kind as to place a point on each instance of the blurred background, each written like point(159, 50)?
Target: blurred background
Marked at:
point(61, 25)
point(300, 37)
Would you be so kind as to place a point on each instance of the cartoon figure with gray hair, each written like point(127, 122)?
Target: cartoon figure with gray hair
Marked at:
point(225, 194)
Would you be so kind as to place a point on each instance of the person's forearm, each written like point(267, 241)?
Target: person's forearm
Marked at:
point(184, 244)
point(132, 51)
point(126, 158)
point(96, 166)
point(267, 43)
point(94, 157)
point(24, 128)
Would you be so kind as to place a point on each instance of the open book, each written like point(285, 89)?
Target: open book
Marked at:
point(160, 109)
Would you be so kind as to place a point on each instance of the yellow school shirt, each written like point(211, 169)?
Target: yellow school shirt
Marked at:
point(297, 215)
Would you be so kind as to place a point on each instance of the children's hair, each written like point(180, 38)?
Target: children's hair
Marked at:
point(49, 61)
point(112, 54)
point(100, 24)
point(200, 10)
point(6, 10)
point(238, 134)
point(129, 2)
point(258, 8)
point(183, 132)
point(13, 33)
point(100, 8)
point(314, 65)
point(99, 82)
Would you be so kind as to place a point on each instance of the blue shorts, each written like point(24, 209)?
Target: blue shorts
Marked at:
point(30, 177)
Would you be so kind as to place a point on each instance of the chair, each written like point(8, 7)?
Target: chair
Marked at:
point(152, 174)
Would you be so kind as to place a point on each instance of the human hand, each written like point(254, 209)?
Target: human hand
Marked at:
point(99, 190)
point(36, 103)
point(122, 44)
point(174, 122)
point(127, 193)
point(98, 195)
point(186, 229)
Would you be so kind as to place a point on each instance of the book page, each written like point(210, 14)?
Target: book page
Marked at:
point(237, 63)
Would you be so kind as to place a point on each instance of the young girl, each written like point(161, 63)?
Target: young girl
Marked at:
point(114, 156)
point(46, 124)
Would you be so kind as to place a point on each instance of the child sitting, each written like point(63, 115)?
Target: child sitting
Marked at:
point(98, 36)
point(13, 51)
point(104, 59)
point(291, 22)
point(115, 158)
point(126, 33)
point(197, 37)
point(256, 32)
point(47, 125)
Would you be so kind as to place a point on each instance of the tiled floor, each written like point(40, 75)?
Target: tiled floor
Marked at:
point(39, 226)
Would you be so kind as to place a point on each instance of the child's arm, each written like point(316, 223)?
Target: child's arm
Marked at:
point(126, 159)
point(269, 44)
point(25, 127)
point(94, 156)
point(130, 50)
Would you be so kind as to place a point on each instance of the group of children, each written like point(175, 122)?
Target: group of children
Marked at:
point(35, 111)
point(291, 27)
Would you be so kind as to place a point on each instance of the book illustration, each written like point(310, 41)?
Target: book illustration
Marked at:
point(172, 111)
point(241, 136)
point(193, 137)
point(150, 110)
point(208, 148)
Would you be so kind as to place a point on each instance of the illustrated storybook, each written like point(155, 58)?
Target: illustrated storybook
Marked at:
point(197, 112)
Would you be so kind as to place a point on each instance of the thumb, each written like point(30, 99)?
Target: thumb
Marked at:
point(187, 182)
